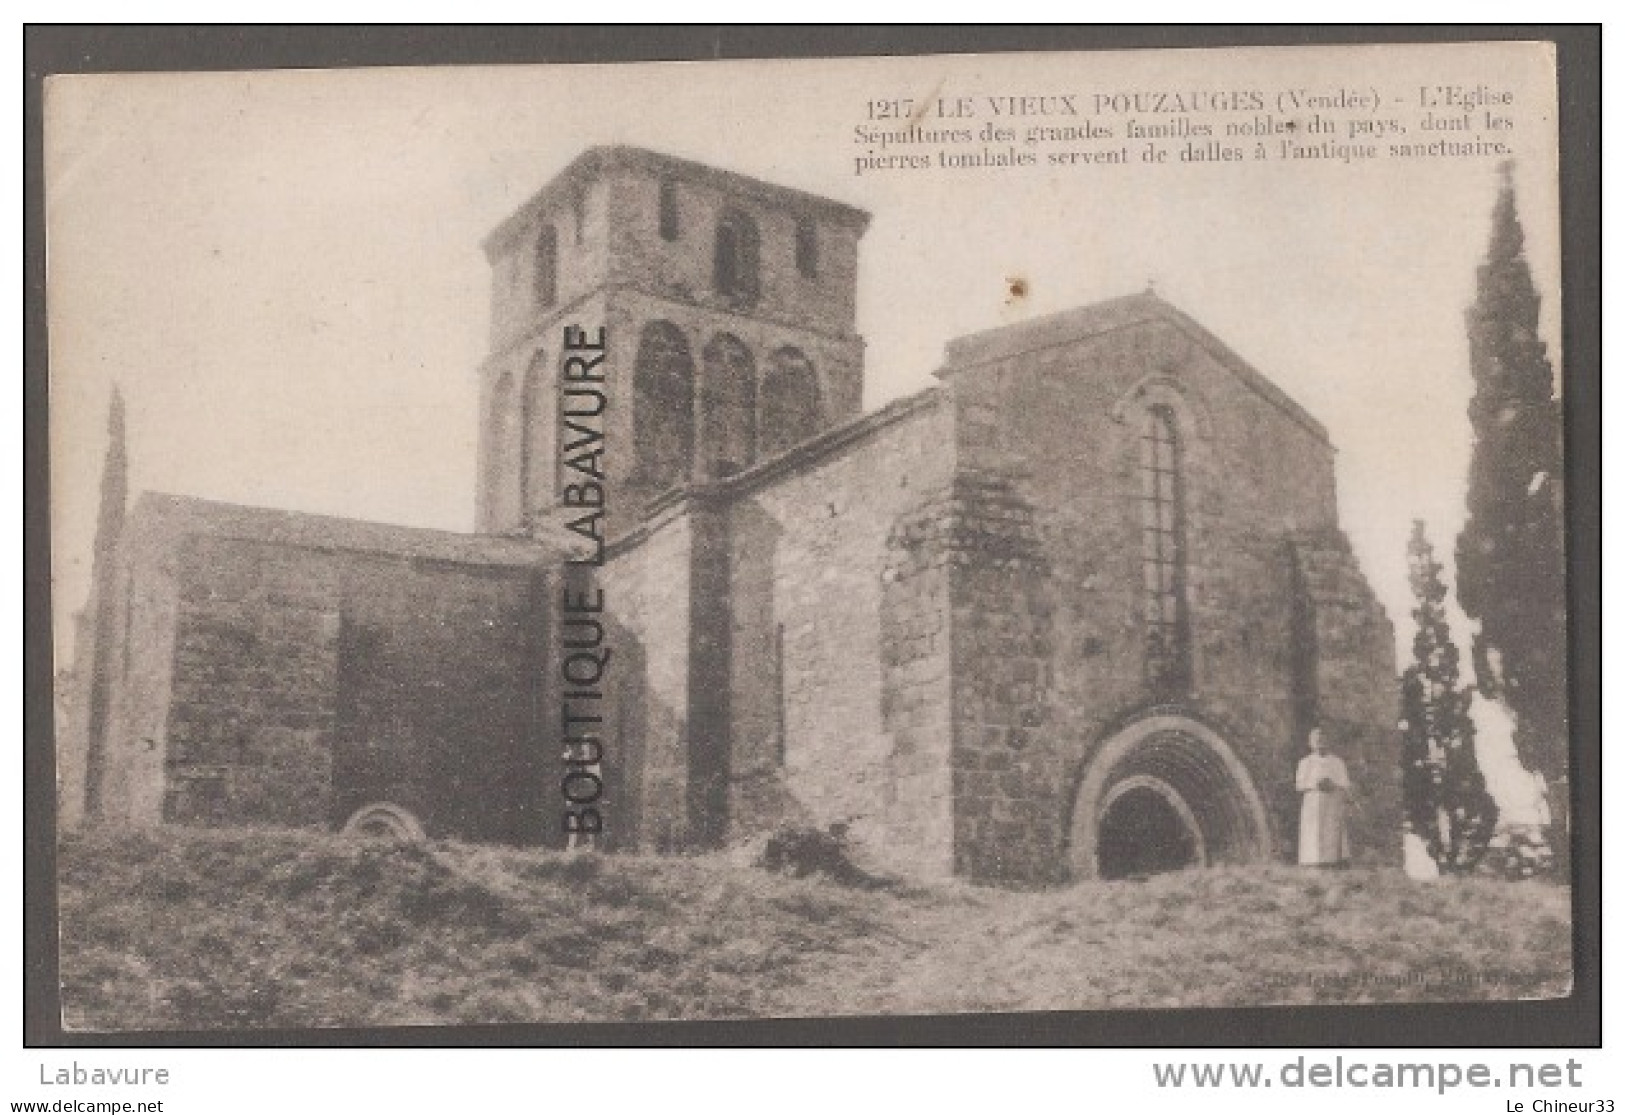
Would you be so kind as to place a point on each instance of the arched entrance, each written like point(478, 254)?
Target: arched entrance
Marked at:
point(1147, 827)
point(1164, 793)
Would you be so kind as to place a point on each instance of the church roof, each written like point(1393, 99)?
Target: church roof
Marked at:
point(1100, 318)
point(596, 161)
point(161, 515)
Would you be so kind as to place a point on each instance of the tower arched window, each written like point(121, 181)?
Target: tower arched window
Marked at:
point(534, 446)
point(547, 266)
point(728, 403)
point(789, 401)
point(663, 406)
point(670, 227)
point(503, 455)
point(738, 256)
point(1163, 552)
point(807, 248)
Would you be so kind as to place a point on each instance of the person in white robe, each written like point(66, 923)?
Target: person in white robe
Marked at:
point(1323, 780)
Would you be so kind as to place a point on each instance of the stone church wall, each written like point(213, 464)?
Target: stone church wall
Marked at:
point(1353, 668)
point(315, 683)
point(267, 680)
point(840, 674)
point(646, 585)
point(613, 267)
point(682, 269)
point(1005, 766)
point(1056, 408)
point(931, 619)
point(923, 624)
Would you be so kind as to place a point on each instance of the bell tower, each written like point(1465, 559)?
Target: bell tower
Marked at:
point(729, 310)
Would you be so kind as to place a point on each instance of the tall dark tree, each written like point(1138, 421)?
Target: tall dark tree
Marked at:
point(93, 640)
point(1509, 557)
point(1446, 800)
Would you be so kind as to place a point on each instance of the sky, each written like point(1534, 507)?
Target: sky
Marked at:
point(281, 271)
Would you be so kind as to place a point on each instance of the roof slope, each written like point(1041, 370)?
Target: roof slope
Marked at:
point(1070, 326)
point(159, 514)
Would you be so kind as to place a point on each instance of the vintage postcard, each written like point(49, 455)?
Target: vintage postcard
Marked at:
point(808, 538)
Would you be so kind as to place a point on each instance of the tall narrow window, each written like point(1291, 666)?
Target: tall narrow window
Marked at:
point(663, 406)
point(728, 405)
point(503, 456)
point(737, 255)
point(670, 229)
point(789, 401)
point(547, 266)
point(807, 248)
point(1162, 553)
point(578, 216)
point(535, 446)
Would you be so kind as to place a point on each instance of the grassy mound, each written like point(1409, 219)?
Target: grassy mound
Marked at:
point(1253, 936)
point(182, 929)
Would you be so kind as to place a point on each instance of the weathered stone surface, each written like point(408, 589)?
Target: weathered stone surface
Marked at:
point(855, 739)
point(1353, 675)
point(615, 269)
point(287, 669)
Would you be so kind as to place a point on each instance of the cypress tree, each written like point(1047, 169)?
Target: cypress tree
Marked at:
point(1509, 556)
point(93, 642)
point(1446, 800)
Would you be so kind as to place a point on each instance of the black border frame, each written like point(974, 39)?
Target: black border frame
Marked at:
point(1575, 1021)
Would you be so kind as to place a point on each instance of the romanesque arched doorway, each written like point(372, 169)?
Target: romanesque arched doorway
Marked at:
point(1163, 793)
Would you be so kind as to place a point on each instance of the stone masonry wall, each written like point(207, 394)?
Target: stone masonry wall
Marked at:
point(646, 585)
point(1355, 687)
point(582, 261)
point(916, 664)
point(839, 682)
point(1062, 413)
point(682, 269)
point(837, 361)
point(520, 472)
point(309, 683)
point(1002, 643)
point(251, 727)
point(616, 269)
point(283, 668)
point(710, 663)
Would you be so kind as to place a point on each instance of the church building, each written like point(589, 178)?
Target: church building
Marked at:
point(1071, 611)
